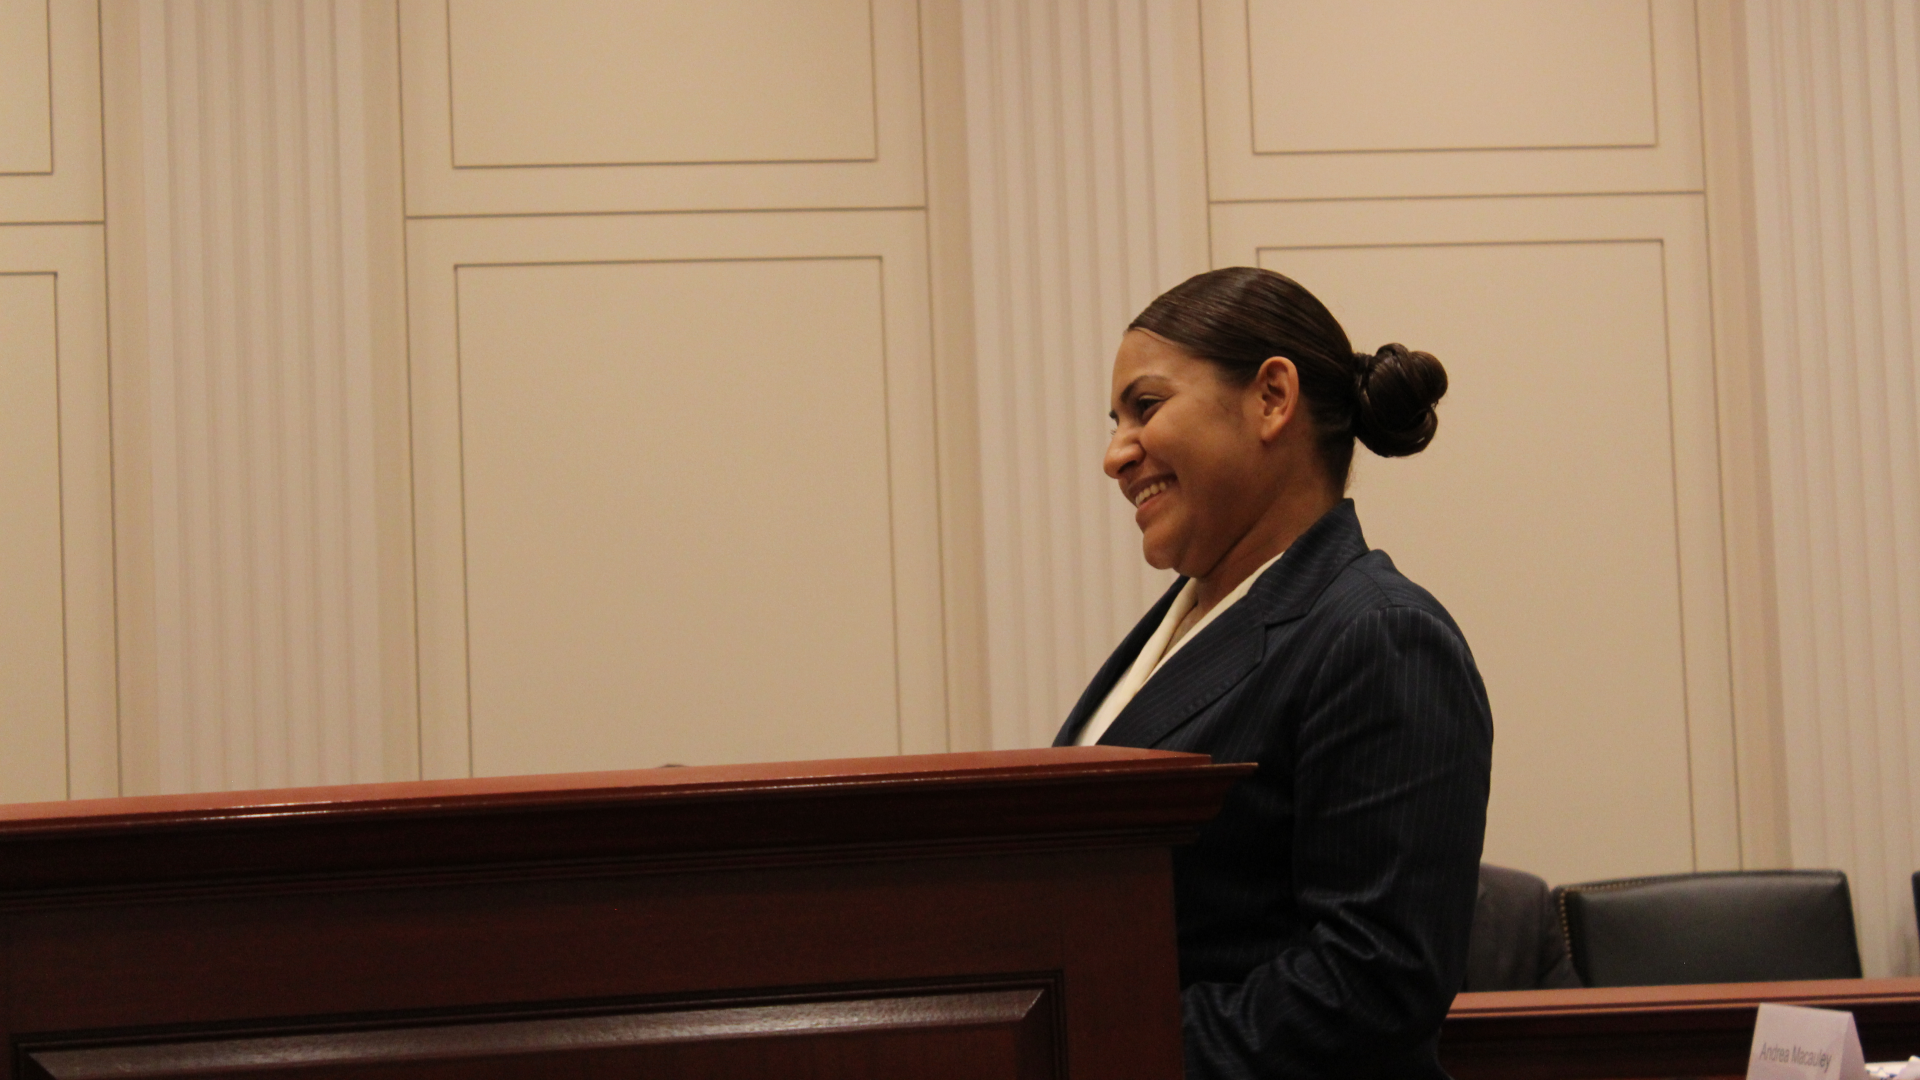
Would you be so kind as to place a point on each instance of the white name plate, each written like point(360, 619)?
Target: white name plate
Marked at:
point(1795, 1043)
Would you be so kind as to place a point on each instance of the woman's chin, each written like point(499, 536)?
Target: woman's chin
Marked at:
point(1160, 556)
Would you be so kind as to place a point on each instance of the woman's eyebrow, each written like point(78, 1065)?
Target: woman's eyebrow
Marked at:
point(1127, 393)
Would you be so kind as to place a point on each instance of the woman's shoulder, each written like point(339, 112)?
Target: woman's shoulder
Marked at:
point(1372, 584)
point(1333, 578)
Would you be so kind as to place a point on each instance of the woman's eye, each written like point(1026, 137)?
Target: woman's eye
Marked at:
point(1147, 405)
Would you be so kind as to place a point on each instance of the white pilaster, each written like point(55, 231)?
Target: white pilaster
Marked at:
point(1088, 199)
point(253, 169)
point(1836, 132)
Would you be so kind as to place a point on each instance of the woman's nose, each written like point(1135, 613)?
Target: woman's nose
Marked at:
point(1123, 449)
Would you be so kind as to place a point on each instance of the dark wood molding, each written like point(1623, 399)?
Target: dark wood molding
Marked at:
point(797, 811)
point(1656, 1031)
point(980, 1032)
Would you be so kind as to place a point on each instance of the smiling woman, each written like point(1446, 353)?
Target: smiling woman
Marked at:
point(1323, 915)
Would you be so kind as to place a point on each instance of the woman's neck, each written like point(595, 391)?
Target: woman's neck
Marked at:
point(1273, 533)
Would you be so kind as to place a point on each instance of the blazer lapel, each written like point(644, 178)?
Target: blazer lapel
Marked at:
point(1223, 654)
point(1205, 668)
point(1116, 666)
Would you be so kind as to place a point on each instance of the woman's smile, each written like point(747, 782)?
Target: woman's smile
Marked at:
point(1141, 496)
point(1150, 499)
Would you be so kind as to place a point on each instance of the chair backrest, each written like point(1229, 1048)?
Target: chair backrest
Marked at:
point(1516, 942)
point(1738, 926)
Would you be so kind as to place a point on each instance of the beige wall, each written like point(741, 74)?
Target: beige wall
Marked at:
point(502, 388)
point(636, 430)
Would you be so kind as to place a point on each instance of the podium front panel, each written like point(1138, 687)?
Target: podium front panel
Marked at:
point(997, 915)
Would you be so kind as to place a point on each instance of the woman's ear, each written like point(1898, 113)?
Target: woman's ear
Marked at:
point(1277, 386)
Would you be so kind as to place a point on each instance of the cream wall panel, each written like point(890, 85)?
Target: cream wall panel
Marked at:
point(1568, 511)
point(611, 82)
point(676, 512)
point(57, 701)
point(676, 490)
point(747, 104)
point(26, 92)
point(1512, 74)
point(49, 111)
point(1490, 97)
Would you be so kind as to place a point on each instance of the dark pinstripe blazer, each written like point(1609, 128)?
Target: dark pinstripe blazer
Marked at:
point(1323, 916)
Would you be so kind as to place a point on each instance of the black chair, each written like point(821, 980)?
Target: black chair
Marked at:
point(1738, 926)
point(1516, 942)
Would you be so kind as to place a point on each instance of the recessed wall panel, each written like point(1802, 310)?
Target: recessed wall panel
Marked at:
point(33, 703)
point(678, 535)
point(50, 148)
point(1543, 516)
point(1404, 99)
point(26, 97)
point(601, 106)
point(612, 82)
point(58, 694)
point(1367, 75)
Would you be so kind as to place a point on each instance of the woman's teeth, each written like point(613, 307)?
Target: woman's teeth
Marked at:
point(1150, 491)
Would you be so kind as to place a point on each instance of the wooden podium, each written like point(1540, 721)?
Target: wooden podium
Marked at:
point(966, 915)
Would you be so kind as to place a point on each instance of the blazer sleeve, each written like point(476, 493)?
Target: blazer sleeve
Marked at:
point(1390, 775)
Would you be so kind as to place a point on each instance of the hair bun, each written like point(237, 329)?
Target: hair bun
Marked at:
point(1395, 391)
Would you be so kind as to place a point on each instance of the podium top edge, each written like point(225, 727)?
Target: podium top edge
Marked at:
point(656, 784)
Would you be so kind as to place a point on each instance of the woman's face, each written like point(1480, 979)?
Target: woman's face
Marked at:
point(1188, 453)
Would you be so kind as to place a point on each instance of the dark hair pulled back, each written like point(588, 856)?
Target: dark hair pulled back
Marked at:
point(1239, 317)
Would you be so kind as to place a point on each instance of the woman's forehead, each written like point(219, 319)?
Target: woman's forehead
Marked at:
point(1147, 355)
